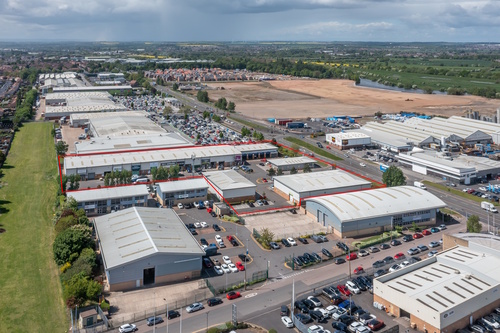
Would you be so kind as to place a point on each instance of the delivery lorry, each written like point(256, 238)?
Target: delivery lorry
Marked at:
point(488, 206)
point(420, 185)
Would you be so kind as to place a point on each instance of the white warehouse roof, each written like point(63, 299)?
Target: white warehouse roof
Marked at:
point(379, 202)
point(182, 185)
point(318, 181)
point(290, 161)
point(138, 232)
point(108, 193)
point(228, 180)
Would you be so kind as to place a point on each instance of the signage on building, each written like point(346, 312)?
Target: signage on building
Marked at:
point(136, 167)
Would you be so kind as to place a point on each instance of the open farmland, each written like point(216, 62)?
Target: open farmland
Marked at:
point(321, 98)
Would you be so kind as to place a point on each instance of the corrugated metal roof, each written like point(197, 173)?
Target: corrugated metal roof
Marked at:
point(228, 180)
point(108, 193)
point(317, 181)
point(182, 185)
point(379, 202)
point(290, 161)
point(138, 232)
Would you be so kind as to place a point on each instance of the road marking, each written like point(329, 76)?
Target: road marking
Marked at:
point(251, 295)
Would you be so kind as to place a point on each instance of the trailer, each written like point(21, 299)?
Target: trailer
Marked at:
point(295, 124)
point(282, 121)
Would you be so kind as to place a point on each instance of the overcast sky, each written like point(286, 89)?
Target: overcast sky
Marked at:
point(251, 20)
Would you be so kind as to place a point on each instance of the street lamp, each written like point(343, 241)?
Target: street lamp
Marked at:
point(207, 319)
point(246, 258)
point(193, 156)
point(166, 313)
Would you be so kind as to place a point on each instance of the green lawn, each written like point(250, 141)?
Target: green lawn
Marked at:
point(31, 296)
point(313, 148)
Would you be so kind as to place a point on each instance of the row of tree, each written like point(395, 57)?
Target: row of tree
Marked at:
point(164, 173)
point(223, 104)
point(118, 177)
point(24, 107)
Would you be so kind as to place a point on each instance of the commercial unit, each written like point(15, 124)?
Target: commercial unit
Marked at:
point(104, 200)
point(460, 169)
point(230, 185)
point(443, 293)
point(299, 186)
point(348, 140)
point(286, 164)
point(83, 119)
point(374, 211)
point(92, 88)
point(146, 246)
point(181, 191)
point(257, 151)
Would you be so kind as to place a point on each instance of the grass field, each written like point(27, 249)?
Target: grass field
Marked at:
point(31, 297)
point(313, 148)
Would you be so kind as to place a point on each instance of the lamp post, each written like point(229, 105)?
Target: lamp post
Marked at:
point(193, 156)
point(207, 319)
point(246, 258)
point(154, 313)
point(166, 313)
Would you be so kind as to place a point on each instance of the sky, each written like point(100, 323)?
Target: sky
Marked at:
point(251, 20)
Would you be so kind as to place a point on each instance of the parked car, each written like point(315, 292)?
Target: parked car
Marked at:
point(422, 248)
point(218, 270)
point(285, 242)
point(194, 307)
point(173, 314)
point(126, 328)
point(274, 245)
point(434, 244)
point(426, 232)
point(284, 311)
point(434, 230)
point(363, 253)
point(214, 301)
point(244, 257)
point(375, 324)
point(432, 253)
point(291, 241)
point(216, 227)
point(374, 249)
point(352, 287)
point(399, 256)
point(326, 253)
point(343, 290)
point(240, 266)
point(233, 295)
point(303, 318)
point(412, 251)
point(339, 261)
point(388, 260)
point(378, 263)
point(407, 238)
point(395, 242)
point(359, 270)
point(303, 240)
point(154, 320)
point(384, 246)
point(351, 256)
point(317, 238)
point(315, 301)
point(417, 235)
point(233, 268)
point(207, 263)
point(287, 322)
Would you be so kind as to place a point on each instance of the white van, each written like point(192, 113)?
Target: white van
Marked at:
point(141, 180)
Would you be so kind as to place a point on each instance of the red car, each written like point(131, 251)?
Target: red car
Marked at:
point(229, 237)
point(352, 256)
point(399, 256)
point(209, 210)
point(417, 235)
point(264, 180)
point(375, 324)
point(426, 232)
point(233, 294)
point(343, 290)
point(359, 270)
point(240, 266)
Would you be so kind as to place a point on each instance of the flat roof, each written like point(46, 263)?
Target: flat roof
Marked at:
point(318, 181)
point(290, 161)
point(379, 202)
point(149, 156)
point(139, 142)
point(110, 192)
point(92, 88)
point(228, 180)
point(93, 115)
point(257, 147)
point(349, 135)
point(182, 185)
point(132, 234)
point(125, 125)
point(439, 284)
point(82, 109)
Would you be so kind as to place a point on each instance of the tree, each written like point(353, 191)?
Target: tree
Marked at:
point(293, 171)
point(393, 176)
point(378, 114)
point(231, 106)
point(280, 172)
point(473, 224)
point(271, 172)
point(202, 96)
point(2, 158)
point(175, 86)
point(167, 111)
point(66, 222)
point(71, 242)
point(81, 288)
point(307, 168)
point(266, 236)
point(221, 103)
point(61, 148)
point(245, 131)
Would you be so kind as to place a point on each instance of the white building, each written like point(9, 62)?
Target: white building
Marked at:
point(296, 187)
point(347, 140)
point(286, 164)
point(230, 185)
point(170, 193)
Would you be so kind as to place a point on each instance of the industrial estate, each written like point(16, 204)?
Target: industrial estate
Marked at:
point(170, 202)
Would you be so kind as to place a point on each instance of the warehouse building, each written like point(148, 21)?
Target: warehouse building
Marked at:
point(230, 185)
point(296, 187)
point(461, 169)
point(181, 191)
point(287, 164)
point(83, 119)
point(104, 200)
point(146, 246)
point(257, 151)
point(348, 140)
point(374, 211)
point(444, 293)
point(121, 88)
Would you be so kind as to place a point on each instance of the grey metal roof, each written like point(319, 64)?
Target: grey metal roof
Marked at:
point(138, 232)
point(182, 185)
point(379, 202)
point(228, 180)
point(317, 181)
point(108, 193)
point(290, 161)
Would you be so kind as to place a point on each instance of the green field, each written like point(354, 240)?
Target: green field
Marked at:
point(313, 148)
point(31, 296)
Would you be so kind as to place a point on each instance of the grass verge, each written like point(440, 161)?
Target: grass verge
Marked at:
point(313, 148)
point(457, 192)
point(248, 123)
point(31, 299)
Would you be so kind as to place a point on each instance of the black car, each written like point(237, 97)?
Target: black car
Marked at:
point(284, 310)
point(303, 318)
point(216, 227)
point(234, 242)
point(251, 204)
point(303, 240)
point(285, 242)
point(293, 211)
point(378, 263)
point(339, 261)
point(358, 313)
point(327, 253)
point(193, 231)
point(213, 214)
point(395, 242)
point(339, 326)
point(297, 261)
point(380, 272)
point(308, 303)
point(173, 314)
point(191, 226)
point(316, 315)
point(214, 301)
point(317, 238)
point(188, 206)
point(316, 256)
point(384, 246)
point(328, 293)
point(308, 257)
point(388, 260)
point(203, 241)
point(346, 319)
point(407, 238)
point(207, 262)
point(301, 306)
point(360, 283)
point(304, 260)
point(244, 257)
point(487, 327)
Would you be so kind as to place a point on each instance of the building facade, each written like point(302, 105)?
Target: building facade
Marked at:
point(181, 191)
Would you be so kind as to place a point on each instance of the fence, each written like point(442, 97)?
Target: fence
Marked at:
point(256, 277)
point(118, 320)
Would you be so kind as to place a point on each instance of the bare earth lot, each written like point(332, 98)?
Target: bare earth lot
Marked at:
point(321, 98)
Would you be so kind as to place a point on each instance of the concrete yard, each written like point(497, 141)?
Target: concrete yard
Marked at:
point(284, 224)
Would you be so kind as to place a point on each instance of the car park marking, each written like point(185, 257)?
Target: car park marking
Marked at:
point(251, 295)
